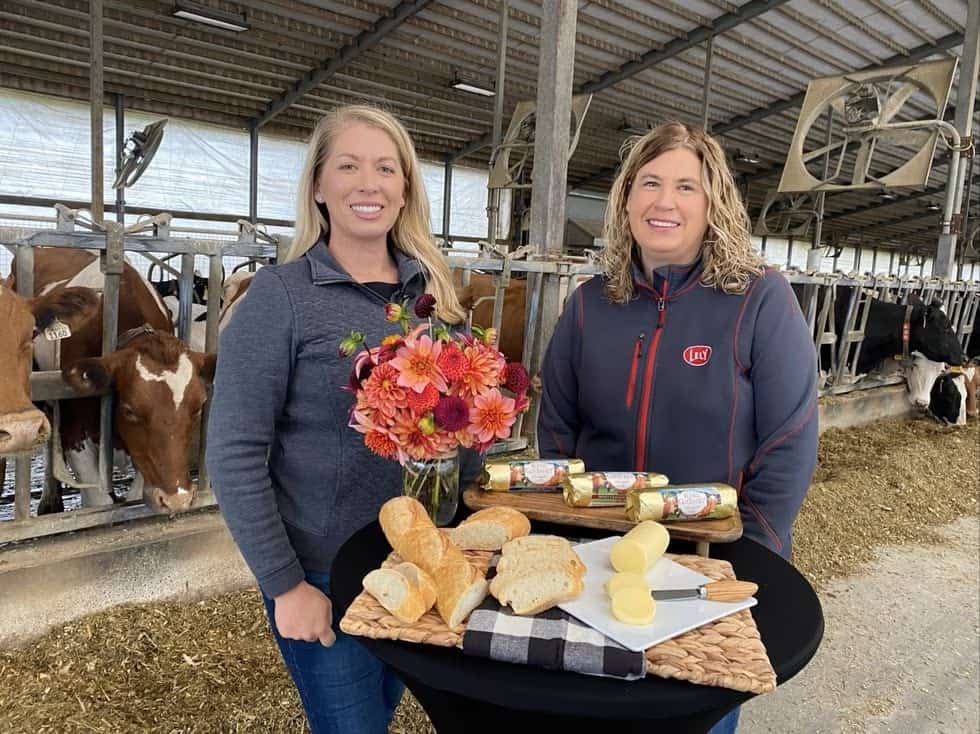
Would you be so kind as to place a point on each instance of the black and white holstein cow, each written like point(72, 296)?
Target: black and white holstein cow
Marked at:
point(949, 395)
point(893, 329)
point(160, 385)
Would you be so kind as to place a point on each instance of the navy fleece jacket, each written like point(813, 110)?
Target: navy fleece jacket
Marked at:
point(691, 382)
point(292, 479)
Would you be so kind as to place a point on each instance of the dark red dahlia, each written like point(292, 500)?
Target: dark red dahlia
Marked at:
point(451, 413)
point(515, 378)
point(425, 305)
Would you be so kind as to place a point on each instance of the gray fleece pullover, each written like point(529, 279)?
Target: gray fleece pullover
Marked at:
point(293, 481)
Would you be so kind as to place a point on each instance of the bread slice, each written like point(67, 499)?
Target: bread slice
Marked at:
point(537, 591)
point(529, 562)
point(421, 580)
point(490, 528)
point(549, 543)
point(396, 593)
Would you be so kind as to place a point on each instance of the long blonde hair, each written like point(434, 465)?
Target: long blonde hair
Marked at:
point(729, 260)
point(412, 230)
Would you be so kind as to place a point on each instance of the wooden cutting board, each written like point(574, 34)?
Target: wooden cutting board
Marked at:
point(551, 507)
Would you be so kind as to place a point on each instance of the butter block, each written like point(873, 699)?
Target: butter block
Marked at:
point(625, 579)
point(640, 548)
point(632, 605)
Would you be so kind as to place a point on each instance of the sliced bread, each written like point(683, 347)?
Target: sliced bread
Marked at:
point(396, 593)
point(490, 528)
point(537, 591)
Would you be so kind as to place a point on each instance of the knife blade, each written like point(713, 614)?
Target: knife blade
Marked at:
point(714, 591)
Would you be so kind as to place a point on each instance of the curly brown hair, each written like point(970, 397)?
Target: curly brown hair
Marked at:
point(729, 259)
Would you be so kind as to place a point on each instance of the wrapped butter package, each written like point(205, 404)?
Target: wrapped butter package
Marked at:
point(607, 489)
point(713, 501)
point(541, 475)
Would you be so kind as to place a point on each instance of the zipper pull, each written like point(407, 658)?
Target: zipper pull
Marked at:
point(639, 344)
point(661, 302)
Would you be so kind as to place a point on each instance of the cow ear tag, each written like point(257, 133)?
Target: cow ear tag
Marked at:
point(57, 331)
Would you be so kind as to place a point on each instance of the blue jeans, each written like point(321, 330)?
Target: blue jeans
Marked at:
point(727, 725)
point(344, 688)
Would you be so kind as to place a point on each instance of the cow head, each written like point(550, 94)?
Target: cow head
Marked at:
point(160, 388)
point(920, 375)
point(947, 401)
point(932, 334)
point(23, 426)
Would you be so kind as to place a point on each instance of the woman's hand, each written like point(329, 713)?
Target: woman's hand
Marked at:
point(304, 613)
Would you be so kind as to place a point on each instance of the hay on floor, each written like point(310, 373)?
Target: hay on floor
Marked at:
point(211, 666)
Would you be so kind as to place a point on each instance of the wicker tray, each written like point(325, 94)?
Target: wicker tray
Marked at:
point(728, 652)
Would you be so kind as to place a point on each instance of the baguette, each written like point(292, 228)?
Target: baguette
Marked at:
point(526, 562)
point(459, 586)
point(490, 528)
point(405, 590)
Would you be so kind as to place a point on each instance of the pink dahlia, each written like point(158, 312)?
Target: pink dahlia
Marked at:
point(417, 364)
point(491, 416)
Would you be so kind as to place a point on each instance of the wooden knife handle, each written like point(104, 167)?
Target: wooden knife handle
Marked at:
point(729, 590)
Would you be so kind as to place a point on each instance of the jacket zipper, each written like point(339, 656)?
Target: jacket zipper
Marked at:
point(637, 351)
point(641, 426)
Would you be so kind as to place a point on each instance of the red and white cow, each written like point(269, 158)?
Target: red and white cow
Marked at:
point(159, 384)
point(22, 426)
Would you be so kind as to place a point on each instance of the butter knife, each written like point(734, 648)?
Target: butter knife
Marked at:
point(713, 591)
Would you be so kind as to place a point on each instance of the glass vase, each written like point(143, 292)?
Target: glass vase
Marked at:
point(434, 483)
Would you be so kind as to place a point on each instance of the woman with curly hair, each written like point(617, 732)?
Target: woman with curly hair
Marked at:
point(687, 356)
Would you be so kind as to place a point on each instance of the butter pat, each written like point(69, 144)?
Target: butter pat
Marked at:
point(624, 580)
point(640, 548)
point(632, 605)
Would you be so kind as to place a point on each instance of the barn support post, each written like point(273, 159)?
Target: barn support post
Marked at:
point(112, 261)
point(966, 94)
point(22, 462)
point(120, 143)
point(709, 48)
point(210, 345)
point(447, 199)
point(95, 100)
point(494, 195)
point(556, 66)
point(185, 296)
point(253, 172)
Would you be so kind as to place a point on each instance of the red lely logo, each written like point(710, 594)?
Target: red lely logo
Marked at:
point(697, 355)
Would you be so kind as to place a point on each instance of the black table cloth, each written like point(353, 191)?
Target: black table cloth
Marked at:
point(471, 695)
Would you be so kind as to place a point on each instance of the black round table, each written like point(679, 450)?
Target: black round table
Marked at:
point(471, 694)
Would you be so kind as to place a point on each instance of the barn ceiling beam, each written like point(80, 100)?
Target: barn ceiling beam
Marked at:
point(679, 45)
point(651, 58)
point(362, 43)
point(915, 55)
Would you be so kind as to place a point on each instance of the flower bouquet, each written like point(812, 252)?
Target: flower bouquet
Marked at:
point(423, 393)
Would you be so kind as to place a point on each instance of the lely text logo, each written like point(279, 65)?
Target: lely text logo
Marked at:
point(697, 355)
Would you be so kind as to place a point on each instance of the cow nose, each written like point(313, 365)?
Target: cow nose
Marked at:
point(162, 501)
point(919, 403)
point(22, 431)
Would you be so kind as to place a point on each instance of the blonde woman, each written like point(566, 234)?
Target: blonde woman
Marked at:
point(293, 481)
point(688, 356)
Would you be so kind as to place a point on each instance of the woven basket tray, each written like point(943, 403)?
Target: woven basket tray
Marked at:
point(728, 652)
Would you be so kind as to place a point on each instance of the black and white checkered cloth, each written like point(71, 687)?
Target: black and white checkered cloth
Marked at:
point(551, 639)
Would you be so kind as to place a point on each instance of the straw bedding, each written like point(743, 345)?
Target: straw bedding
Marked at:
point(211, 666)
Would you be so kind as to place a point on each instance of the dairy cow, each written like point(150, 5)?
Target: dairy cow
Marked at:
point(22, 426)
point(159, 385)
point(927, 328)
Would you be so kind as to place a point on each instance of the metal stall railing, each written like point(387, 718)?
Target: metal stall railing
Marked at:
point(111, 241)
